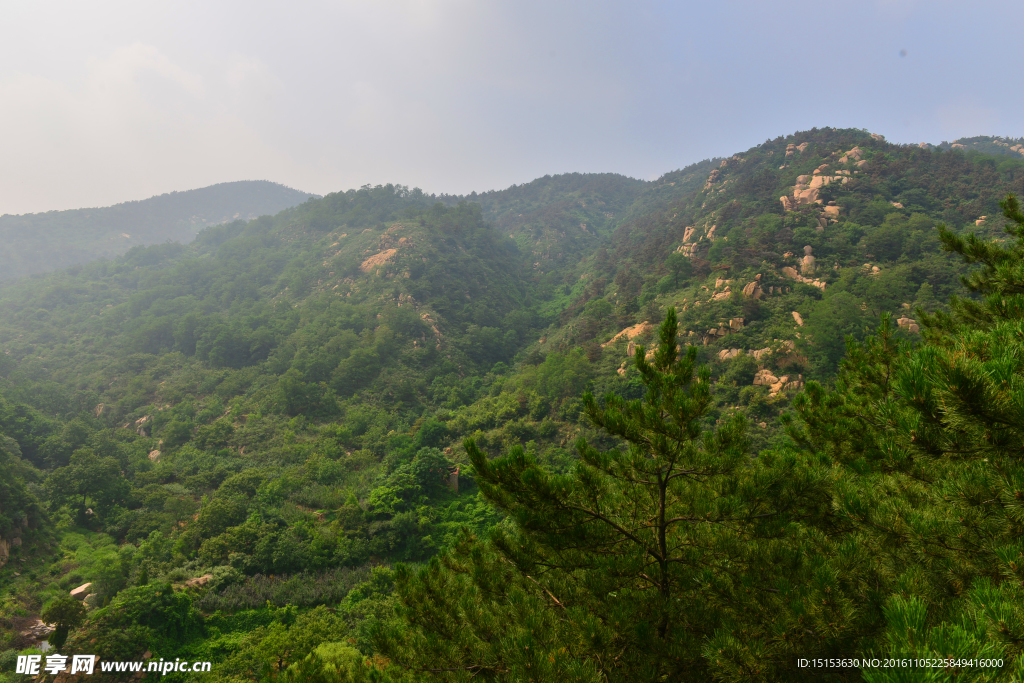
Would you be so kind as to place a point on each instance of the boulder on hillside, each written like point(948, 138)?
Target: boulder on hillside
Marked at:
point(80, 592)
point(631, 332)
point(142, 425)
point(908, 324)
point(808, 196)
point(199, 581)
point(807, 263)
point(376, 260)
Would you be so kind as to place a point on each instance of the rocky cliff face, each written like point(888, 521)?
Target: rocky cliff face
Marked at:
point(6, 547)
point(12, 540)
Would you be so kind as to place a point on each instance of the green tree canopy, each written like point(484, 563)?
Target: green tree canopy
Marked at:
point(661, 560)
point(66, 614)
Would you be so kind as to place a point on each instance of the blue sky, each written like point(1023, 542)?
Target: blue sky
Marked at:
point(112, 101)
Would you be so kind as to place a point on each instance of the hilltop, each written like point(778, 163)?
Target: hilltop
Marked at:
point(986, 144)
point(36, 243)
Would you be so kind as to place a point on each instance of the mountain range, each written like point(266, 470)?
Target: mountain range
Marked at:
point(235, 440)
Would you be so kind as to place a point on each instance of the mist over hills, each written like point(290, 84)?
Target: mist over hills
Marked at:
point(238, 440)
point(35, 243)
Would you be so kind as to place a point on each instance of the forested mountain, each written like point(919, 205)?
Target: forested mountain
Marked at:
point(38, 242)
point(987, 144)
point(588, 428)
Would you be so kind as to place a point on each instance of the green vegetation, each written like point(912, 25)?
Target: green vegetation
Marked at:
point(561, 431)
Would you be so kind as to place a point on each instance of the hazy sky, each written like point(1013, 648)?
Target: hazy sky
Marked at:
point(102, 102)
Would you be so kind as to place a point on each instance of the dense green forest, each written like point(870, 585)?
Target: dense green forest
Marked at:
point(986, 144)
point(762, 409)
point(40, 242)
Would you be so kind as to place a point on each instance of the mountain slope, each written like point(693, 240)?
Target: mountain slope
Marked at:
point(35, 243)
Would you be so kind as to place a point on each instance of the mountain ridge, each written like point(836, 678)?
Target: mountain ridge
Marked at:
point(37, 242)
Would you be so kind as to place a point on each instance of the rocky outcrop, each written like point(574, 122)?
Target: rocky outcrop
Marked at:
point(13, 539)
point(872, 270)
point(38, 630)
point(791, 273)
point(143, 425)
point(713, 178)
point(753, 290)
point(853, 155)
point(807, 266)
point(908, 324)
point(764, 377)
point(199, 581)
point(808, 187)
point(798, 319)
point(631, 332)
point(81, 592)
point(378, 259)
point(792, 149)
point(690, 239)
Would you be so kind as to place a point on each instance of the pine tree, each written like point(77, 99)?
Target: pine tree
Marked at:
point(678, 556)
point(928, 444)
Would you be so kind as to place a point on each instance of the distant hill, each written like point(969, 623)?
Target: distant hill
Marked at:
point(558, 220)
point(987, 144)
point(39, 242)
